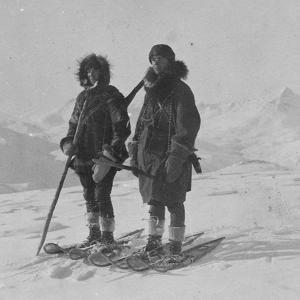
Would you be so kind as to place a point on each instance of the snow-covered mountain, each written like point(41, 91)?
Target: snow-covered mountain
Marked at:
point(25, 157)
point(55, 123)
point(25, 126)
point(253, 130)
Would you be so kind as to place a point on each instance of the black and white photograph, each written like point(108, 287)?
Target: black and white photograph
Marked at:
point(150, 150)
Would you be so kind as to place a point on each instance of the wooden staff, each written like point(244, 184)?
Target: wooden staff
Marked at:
point(63, 177)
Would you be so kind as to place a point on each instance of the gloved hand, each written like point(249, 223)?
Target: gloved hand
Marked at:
point(174, 163)
point(108, 152)
point(100, 170)
point(69, 148)
point(133, 149)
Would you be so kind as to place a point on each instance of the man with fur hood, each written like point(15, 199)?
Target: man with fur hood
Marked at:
point(105, 130)
point(162, 144)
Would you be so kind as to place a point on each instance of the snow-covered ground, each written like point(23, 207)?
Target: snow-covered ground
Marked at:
point(256, 205)
point(249, 193)
point(240, 57)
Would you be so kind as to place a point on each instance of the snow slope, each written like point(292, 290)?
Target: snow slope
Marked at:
point(255, 205)
point(249, 192)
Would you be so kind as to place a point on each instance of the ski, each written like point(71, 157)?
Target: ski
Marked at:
point(164, 262)
point(120, 260)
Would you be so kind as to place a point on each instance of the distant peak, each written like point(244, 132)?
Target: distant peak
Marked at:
point(287, 93)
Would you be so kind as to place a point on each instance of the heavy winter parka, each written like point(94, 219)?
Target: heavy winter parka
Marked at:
point(107, 122)
point(168, 122)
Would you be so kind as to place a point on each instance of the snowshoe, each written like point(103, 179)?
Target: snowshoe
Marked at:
point(187, 257)
point(139, 262)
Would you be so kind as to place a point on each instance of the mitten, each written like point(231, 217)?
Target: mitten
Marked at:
point(174, 164)
point(100, 170)
point(69, 148)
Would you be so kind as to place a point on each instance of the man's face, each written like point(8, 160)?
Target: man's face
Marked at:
point(159, 64)
point(93, 75)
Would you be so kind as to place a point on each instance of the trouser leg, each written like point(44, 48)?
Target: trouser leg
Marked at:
point(157, 219)
point(177, 214)
point(92, 209)
point(177, 227)
point(102, 193)
point(156, 226)
point(89, 186)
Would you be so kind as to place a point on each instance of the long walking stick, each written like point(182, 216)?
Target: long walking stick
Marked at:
point(63, 177)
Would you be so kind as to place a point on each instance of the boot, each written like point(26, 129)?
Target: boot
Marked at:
point(156, 230)
point(107, 237)
point(176, 236)
point(175, 247)
point(153, 242)
point(108, 227)
point(94, 236)
point(175, 256)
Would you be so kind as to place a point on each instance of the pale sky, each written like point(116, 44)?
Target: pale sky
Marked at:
point(235, 49)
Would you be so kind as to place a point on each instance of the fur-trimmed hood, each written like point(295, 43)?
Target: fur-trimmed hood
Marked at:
point(93, 61)
point(160, 85)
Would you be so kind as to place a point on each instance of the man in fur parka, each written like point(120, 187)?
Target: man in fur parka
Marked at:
point(105, 130)
point(162, 144)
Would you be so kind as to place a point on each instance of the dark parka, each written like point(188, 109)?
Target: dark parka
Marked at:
point(169, 121)
point(106, 119)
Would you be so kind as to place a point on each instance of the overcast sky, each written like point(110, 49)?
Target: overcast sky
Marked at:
point(234, 49)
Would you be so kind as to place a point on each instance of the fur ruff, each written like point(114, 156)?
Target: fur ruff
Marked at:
point(160, 85)
point(93, 61)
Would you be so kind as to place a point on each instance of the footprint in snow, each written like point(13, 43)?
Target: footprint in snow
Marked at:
point(60, 272)
point(223, 193)
point(86, 275)
point(32, 208)
point(33, 236)
point(225, 266)
point(55, 226)
point(60, 237)
point(11, 211)
point(7, 233)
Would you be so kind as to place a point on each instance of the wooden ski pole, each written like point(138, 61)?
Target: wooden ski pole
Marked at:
point(61, 183)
